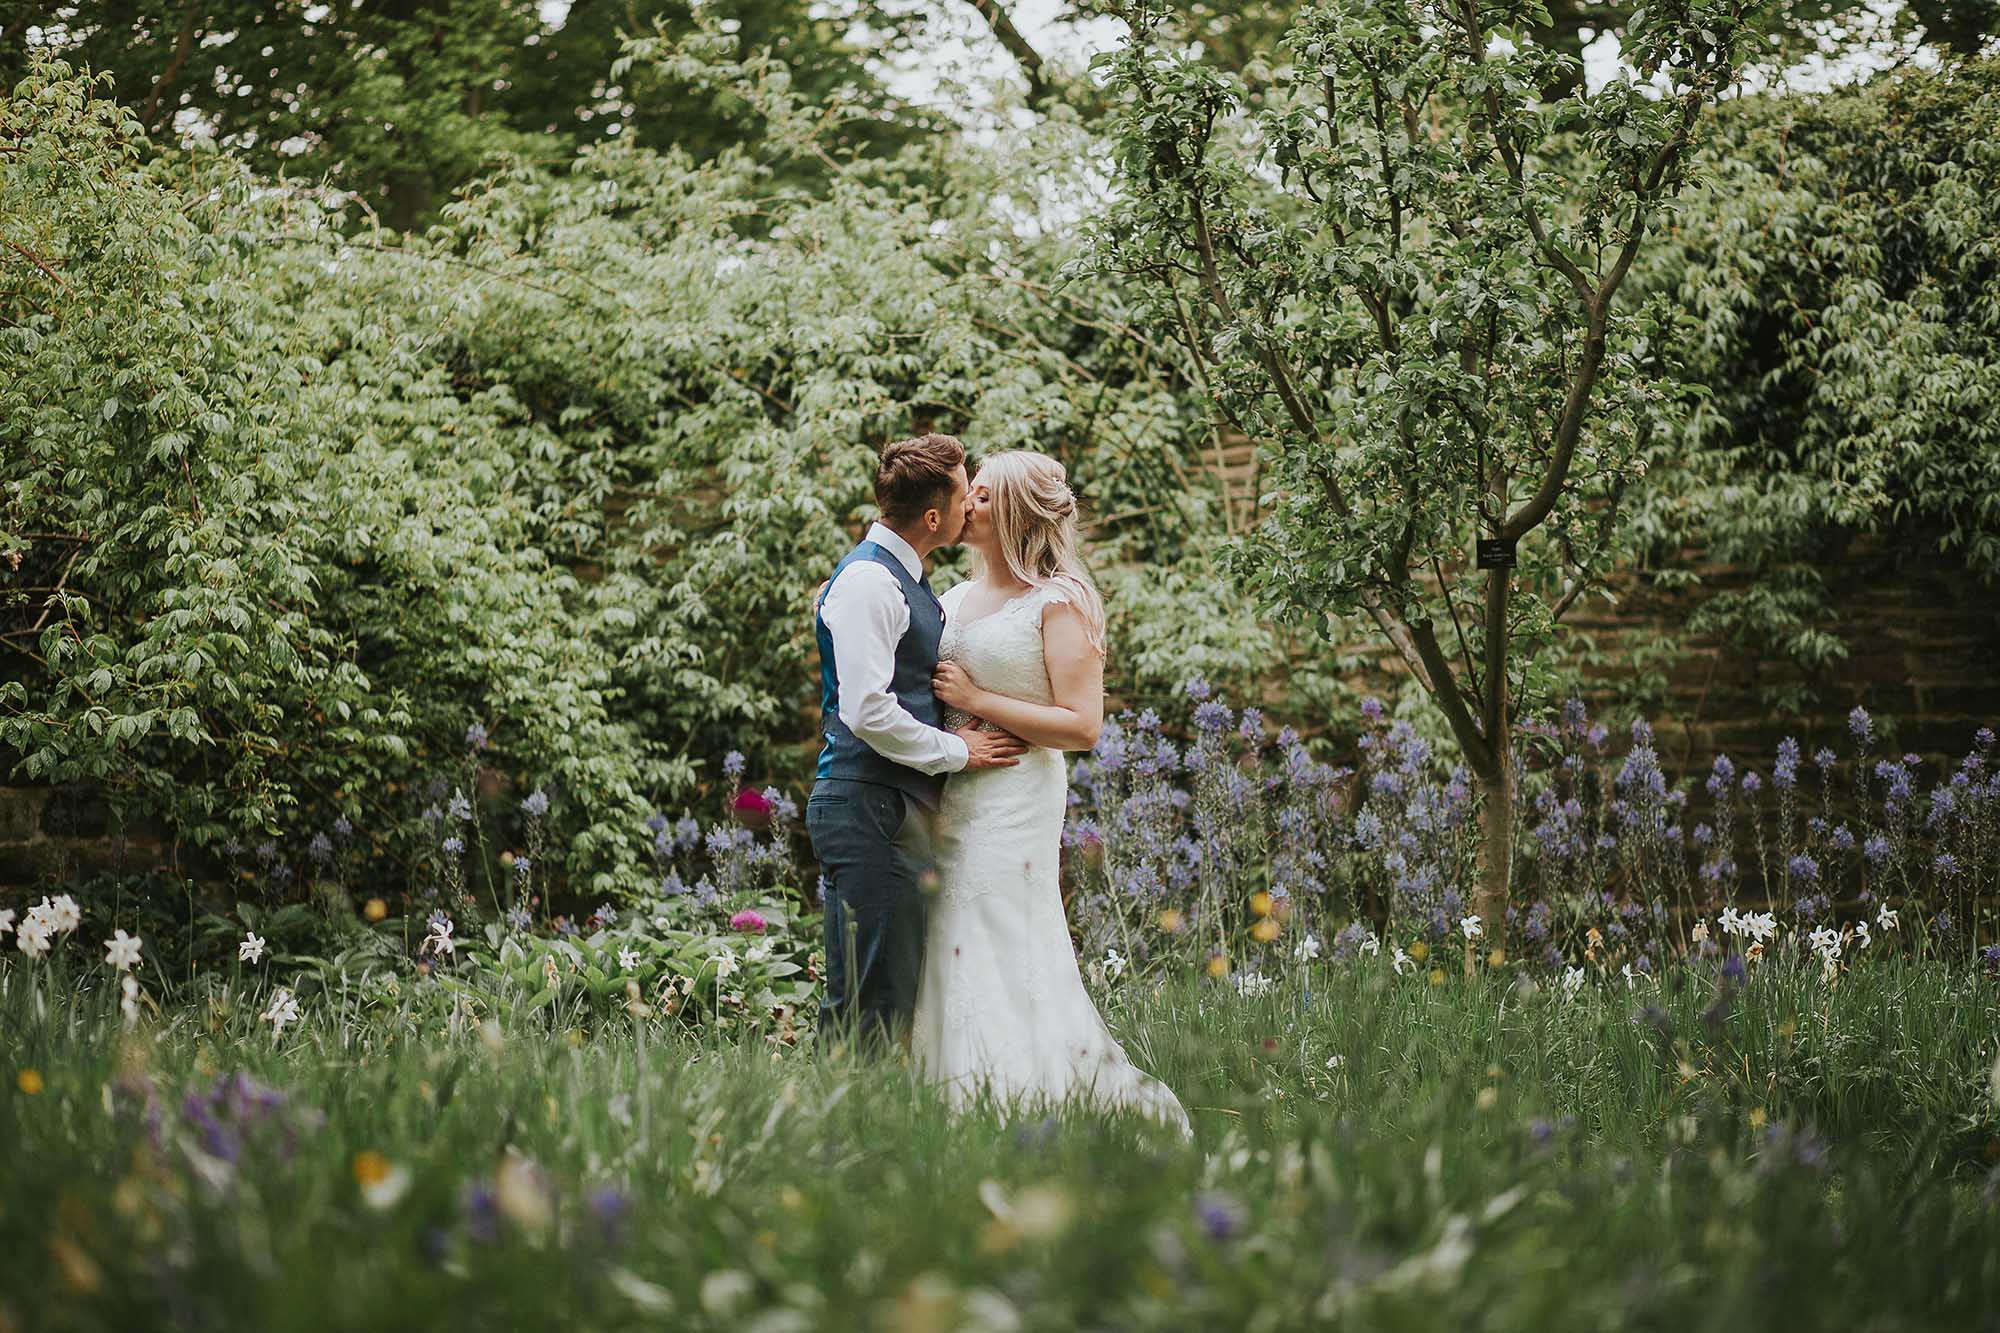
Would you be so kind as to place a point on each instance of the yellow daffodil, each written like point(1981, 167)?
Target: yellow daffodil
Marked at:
point(29, 1081)
point(1260, 903)
point(1218, 966)
point(375, 910)
point(1419, 951)
point(1264, 931)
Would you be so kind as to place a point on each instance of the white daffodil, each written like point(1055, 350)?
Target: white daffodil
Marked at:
point(1862, 938)
point(122, 951)
point(1370, 944)
point(251, 950)
point(1307, 948)
point(628, 960)
point(1335, 1061)
point(1731, 923)
point(1472, 927)
point(1628, 974)
point(1700, 932)
point(284, 1009)
point(63, 913)
point(440, 940)
point(1886, 917)
point(1114, 964)
point(1826, 942)
point(725, 964)
point(6, 920)
point(34, 934)
point(129, 1003)
point(1402, 964)
point(1760, 926)
point(1572, 982)
point(1251, 984)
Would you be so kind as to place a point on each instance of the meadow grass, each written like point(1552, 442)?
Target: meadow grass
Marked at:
point(1372, 1151)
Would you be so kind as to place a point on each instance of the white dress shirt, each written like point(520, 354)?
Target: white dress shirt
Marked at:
point(866, 617)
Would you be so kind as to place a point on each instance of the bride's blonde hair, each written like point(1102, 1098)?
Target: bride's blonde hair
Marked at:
point(1034, 530)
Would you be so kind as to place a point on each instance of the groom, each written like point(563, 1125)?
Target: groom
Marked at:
point(882, 767)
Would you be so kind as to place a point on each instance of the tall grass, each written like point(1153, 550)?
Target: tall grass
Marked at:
point(1372, 1151)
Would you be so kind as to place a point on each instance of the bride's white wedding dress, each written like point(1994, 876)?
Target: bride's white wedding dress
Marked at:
point(1001, 1004)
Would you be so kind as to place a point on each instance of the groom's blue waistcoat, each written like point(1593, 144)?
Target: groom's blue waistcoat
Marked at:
point(846, 755)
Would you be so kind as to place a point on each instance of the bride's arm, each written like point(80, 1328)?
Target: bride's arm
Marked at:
point(1076, 679)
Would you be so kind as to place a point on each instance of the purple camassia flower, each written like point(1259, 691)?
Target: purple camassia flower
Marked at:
point(1212, 717)
point(733, 765)
point(343, 828)
point(1983, 739)
point(1371, 708)
point(1752, 784)
point(1990, 955)
point(1824, 757)
point(320, 848)
point(482, 1214)
point(609, 1209)
point(1946, 864)
point(1861, 726)
point(1803, 868)
point(1733, 970)
point(537, 804)
point(1597, 735)
point(1876, 849)
point(1198, 689)
point(1219, 1215)
point(1786, 771)
point(1720, 774)
point(475, 737)
point(1703, 835)
point(1843, 839)
point(1251, 727)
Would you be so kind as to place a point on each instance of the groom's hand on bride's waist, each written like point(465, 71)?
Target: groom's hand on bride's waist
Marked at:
point(990, 749)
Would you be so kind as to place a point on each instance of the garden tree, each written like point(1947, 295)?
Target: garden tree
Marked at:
point(1845, 300)
point(403, 101)
point(1233, 36)
point(1415, 315)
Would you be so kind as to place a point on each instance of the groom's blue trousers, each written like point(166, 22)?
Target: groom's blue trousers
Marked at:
point(873, 843)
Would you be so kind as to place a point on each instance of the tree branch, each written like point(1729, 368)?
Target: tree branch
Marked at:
point(1040, 88)
point(163, 85)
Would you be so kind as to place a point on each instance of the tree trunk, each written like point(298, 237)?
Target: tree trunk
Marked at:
point(1496, 851)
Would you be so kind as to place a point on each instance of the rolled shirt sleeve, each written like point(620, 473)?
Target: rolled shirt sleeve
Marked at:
point(865, 617)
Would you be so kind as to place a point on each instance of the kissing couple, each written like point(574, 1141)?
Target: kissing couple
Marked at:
point(937, 810)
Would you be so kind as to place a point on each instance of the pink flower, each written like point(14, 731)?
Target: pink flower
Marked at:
point(748, 922)
point(752, 809)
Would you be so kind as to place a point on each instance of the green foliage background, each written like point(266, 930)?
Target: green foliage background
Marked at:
point(567, 457)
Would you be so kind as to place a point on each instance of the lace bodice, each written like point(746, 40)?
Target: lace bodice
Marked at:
point(1001, 650)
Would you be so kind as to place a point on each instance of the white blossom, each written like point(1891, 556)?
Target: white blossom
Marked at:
point(1114, 964)
point(129, 1003)
point(1402, 963)
point(122, 951)
point(1471, 927)
point(628, 960)
point(1251, 984)
point(1308, 947)
point(1886, 918)
point(1370, 944)
point(63, 913)
point(252, 948)
point(1572, 982)
point(284, 1009)
point(34, 934)
point(1335, 1061)
point(6, 920)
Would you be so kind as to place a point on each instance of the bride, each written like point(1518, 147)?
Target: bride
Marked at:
point(1001, 1005)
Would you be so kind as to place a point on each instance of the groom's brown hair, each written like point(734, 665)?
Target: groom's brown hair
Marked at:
point(914, 475)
